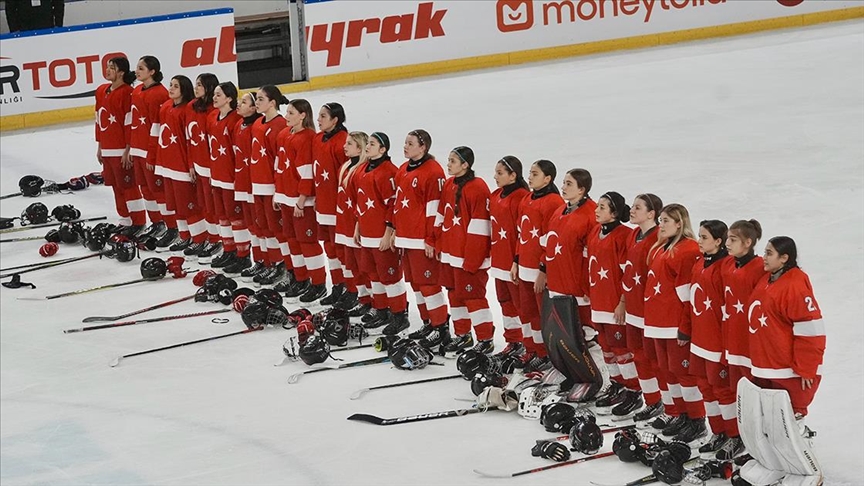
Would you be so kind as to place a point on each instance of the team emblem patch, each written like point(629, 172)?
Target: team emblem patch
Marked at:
point(309, 232)
point(238, 209)
point(618, 335)
point(191, 205)
point(468, 288)
point(427, 274)
point(391, 271)
point(127, 179)
point(685, 363)
point(158, 182)
point(723, 374)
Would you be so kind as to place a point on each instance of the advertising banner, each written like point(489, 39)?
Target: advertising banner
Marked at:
point(52, 70)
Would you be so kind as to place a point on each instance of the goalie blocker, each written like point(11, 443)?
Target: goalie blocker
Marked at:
point(781, 455)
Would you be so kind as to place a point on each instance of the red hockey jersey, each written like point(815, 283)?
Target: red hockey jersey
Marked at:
point(346, 218)
point(329, 157)
point(706, 310)
point(418, 192)
point(294, 167)
point(738, 285)
point(171, 159)
point(463, 236)
point(565, 242)
point(534, 215)
point(635, 273)
point(787, 335)
point(220, 140)
point(667, 290)
point(196, 135)
point(503, 214)
point(606, 259)
point(262, 154)
point(376, 192)
point(146, 102)
point(113, 119)
point(242, 149)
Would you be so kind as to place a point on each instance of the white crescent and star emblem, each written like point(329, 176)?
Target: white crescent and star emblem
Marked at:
point(252, 158)
point(763, 320)
point(498, 233)
point(221, 150)
point(522, 229)
point(99, 118)
point(656, 288)
point(360, 209)
point(590, 264)
point(162, 128)
point(693, 289)
point(550, 241)
point(628, 263)
point(136, 121)
point(449, 215)
point(190, 132)
point(403, 203)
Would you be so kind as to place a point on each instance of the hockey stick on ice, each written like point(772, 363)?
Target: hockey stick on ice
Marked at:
point(101, 287)
point(135, 313)
point(544, 468)
point(23, 238)
point(51, 265)
point(146, 321)
point(296, 376)
point(372, 419)
point(116, 361)
point(39, 264)
point(359, 393)
point(48, 225)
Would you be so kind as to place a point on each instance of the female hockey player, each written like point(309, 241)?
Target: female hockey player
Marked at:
point(228, 211)
point(198, 151)
point(463, 243)
point(739, 276)
point(374, 198)
point(645, 214)
point(262, 154)
point(328, 150)
point(534, 214)
point(504, 214)
point(357, 297)
point(147, 98)
point(242, 136)
point(706, 345)
point(295, 192)
point(113, 104)
point(418, 191)
point(667, 322)
point(607, 254)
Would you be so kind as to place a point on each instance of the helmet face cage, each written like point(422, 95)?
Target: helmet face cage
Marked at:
point(335, 330)
point(316, 350)
point(36, 213)
point(276, 316)
point(554, 416)
point(357, 331)
point(472, 362)
point(411, 357)
point(586, 436)
point(530, 401)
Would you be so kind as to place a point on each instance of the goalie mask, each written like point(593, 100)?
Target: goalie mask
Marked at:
point(531, 401)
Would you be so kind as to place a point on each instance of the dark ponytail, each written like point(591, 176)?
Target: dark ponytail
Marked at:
point(785, 245)
point(273, 94)
point(548, 169)
point(122, 64)
point(513, 165)
point(466, 155)
point(230, 91)
point(153, 65)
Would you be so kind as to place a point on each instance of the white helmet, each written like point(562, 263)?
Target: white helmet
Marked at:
point(531, 401)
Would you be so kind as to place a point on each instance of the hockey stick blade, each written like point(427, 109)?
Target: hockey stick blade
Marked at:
point(296, 376)
point(543, 468)
point(147, 309)
point(116, 361)
point(372, 419)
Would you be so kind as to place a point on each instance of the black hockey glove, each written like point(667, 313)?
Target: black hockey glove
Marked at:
point(548, 449)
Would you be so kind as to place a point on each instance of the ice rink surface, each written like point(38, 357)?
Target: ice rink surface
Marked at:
point(767, 126)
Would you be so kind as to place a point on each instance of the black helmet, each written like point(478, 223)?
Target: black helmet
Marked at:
point(627, 446)
point(472, 362)
point(399, 342)
point(586, 436)
point(36, 213)
point(255, 314)
point(334, 329)
point(268, 296)
point(96, 237)
point(154, 268)
point(314, 350)
point(556, 416)
point(121, 248)
point(278, 316)
point(668, 466)
point(66, 212)
point(202, 295)
point(483, 380)
point(30, 185)
point(410, 356)
point(52, 236)
point(69, 232)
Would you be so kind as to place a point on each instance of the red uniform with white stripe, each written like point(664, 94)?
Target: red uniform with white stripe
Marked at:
point(294, 179)
point(706, 342)
point(607, 255)
point(534, 214)
point(418, 193)
point(503, 214)
point(262, 155)
point(143, 144)
point(667, 311)
point(787, 336)
point(328, 149)
point(633, 284)
point(376, 193)
point(113, 133)
point(232, 225)
point(198, 151)
point(173, 165)
point(464, 244)
point(243, 189)
point(346, 222)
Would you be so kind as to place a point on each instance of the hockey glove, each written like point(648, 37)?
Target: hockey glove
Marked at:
point(548, 449)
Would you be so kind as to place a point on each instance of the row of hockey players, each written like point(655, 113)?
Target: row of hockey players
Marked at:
point(680, 321)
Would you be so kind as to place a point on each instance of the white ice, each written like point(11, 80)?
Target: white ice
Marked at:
point(766, 126)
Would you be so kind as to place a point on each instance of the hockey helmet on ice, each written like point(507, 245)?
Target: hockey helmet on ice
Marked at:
point(30, 185)
point(36, 213)
point(153, 268)
point(315, 350)
point(472, 362)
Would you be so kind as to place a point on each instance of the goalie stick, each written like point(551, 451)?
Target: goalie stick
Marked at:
point(116, 361)
point(296, 376)
point(48, 225)
point(544, 468)
point(146, 321)
point(359, 393)
point(372, 419)
point(135, 313)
